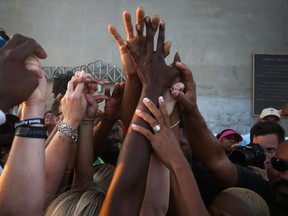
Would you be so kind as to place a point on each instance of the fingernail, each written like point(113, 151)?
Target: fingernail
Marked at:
point(88, 97)
point(134, 126)
point(82, 72)
point(138, 111)
point(146, 100)
point(161, 99)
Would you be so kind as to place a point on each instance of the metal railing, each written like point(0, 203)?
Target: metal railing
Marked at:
point(97, 69)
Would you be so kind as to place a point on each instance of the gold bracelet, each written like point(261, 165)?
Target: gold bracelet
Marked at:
point(175, 124)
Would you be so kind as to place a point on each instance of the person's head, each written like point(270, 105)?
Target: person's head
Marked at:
point(103, 174)
point(270, 114)
point(112, 145)
point(50, 119)
point(229, 139)
point(238, 201)
point(278, 175)
point(77, 202)
point(269, 135)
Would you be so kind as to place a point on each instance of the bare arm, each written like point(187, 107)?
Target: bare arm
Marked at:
point(184, 186)
point(85, 155)
point(200, 137)
point(24, 172)
point(58, 151)
point(127, 188)
point(133, 85)
point(112, 112)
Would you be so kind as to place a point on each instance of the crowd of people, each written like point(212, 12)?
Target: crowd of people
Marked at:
point(150, 152)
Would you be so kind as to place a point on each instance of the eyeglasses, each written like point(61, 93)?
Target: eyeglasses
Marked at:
point(279, 164)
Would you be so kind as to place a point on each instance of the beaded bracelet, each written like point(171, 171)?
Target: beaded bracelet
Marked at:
point(31, 132)
point(29, 122)
point(68, 131)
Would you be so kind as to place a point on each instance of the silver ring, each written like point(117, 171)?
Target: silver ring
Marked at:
point(156, 128)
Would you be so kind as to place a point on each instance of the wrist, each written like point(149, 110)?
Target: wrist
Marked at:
point(73, 124)
point(32, 111)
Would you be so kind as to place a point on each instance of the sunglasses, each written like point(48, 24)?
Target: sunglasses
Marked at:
point(279, 164)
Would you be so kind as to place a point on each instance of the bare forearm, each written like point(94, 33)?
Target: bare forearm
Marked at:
point(185, 189)
point(129, 182)
point(100, 135)
point(85, 156)
point(56, 154)
point(24, 174)
point(156, 199)
point(132, 92)
point(201, 140)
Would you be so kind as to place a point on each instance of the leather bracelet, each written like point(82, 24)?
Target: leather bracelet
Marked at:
point(68, 131)
point(29, 122)
point(31, 132)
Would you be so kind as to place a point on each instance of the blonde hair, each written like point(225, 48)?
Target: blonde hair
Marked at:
point(255, 203)
point(103, 174)
point(77, 202)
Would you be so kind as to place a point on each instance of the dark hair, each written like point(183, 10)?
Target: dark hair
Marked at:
point(48, 111)
point(267, 127)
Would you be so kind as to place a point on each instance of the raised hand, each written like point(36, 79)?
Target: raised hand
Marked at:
point(186, 98)
point(112, 109)
point(74, 104)
point(151, 66)
point(15, 69)
point(126, 60)
point(38, 96)
point(163, 141)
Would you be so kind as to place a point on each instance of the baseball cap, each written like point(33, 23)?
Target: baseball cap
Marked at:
point(228, 132)
point(268, 112)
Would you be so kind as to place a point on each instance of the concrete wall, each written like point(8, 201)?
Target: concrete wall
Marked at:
point(215, 38)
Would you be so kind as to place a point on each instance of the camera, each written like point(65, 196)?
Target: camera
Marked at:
point(250, 155)
point(60, 82)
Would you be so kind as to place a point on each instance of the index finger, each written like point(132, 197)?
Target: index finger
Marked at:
point(117, 37)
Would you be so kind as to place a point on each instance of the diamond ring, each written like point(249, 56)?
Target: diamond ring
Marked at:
point(156, 128)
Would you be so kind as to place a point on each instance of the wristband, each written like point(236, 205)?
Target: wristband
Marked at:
point(29, 122)
point(31, 132)
point(68, 131)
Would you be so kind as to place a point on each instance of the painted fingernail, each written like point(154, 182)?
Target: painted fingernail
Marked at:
point(138, 111)
point(146, 100)
point(134, 126)
point(161, 99)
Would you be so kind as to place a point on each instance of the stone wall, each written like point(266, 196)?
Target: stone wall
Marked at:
point(215, 38)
